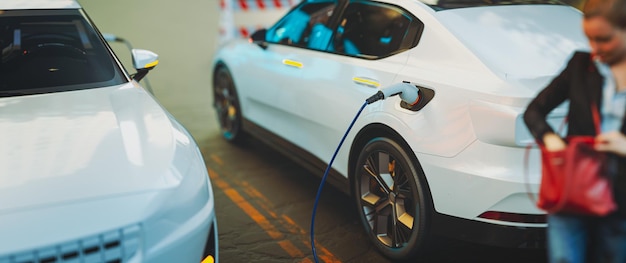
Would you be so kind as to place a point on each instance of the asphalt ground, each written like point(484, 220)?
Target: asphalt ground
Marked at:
point(263, 200)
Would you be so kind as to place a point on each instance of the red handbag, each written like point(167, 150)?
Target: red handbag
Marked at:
point(575, 180)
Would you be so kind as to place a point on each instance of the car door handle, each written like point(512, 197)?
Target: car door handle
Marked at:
point(372, 83)
point(292, 63)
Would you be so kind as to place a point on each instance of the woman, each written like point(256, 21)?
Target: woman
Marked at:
point(597, 80)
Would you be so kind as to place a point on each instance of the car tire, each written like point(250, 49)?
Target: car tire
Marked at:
point(393, 202)
point(227, 107)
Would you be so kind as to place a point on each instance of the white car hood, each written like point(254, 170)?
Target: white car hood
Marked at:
point(519, 42)
point(87, 144)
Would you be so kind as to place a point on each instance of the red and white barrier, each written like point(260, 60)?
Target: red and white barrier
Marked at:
point(251, 5)
point(240, 18)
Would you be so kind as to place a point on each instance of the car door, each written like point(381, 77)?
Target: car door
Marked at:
point(289, 43)
point(271, 68)
point(364, 53)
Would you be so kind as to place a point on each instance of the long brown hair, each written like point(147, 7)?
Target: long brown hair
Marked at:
point(613, 11)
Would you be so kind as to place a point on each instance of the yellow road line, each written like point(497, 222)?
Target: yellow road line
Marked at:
point(294, 228)
point(217, 159)
point(245, 206)
point(292, 250)
point(324, 254)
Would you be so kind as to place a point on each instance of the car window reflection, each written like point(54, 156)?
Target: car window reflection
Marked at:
point(52, 52)
point(307, 26)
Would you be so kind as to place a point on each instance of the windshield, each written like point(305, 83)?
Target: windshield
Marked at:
point(450, 4)
point(50, 51)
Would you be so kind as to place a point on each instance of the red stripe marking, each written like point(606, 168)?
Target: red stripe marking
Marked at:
point(277, 3)
point(261, 4)
point(222, 4)
point(244, 32)
point(243, 4)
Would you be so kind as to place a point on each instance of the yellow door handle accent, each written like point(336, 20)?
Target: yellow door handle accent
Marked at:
point(367, 82)
point(292, 63)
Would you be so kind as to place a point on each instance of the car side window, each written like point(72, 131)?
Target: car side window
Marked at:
point(305, 26)
point(374, 30)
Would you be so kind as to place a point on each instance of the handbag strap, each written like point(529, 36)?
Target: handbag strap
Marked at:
point(596, 117)
point(594, 114)
point(526, 176)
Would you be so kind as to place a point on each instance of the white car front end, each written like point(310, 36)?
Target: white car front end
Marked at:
point(100, 175)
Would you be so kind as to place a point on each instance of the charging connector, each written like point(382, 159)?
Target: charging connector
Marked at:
point(407, 92)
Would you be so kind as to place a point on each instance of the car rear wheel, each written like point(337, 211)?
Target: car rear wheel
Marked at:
point(392, 199)
point(226, 104)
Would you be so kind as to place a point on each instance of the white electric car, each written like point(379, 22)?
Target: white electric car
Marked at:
point(451, 163)
point(92, 167)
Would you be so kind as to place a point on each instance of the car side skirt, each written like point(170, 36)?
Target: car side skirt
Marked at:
point(489, 234)
point(298, 155)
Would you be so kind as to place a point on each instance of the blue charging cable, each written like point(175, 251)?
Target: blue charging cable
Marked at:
point(319, 190)
point(407, 92)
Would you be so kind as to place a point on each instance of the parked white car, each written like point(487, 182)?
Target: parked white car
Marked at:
point(92, 167)
point(451, 163)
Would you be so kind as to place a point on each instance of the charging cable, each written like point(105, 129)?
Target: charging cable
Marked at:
point(407, 92)
point(319, 190)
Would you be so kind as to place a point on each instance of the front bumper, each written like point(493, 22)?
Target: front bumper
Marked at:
point(130, 228)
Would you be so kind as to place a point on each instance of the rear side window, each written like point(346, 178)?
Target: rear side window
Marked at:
point(374, 30)
point(306, 26)
point(49, 51)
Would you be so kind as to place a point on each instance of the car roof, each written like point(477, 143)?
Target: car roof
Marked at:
point(38, 4)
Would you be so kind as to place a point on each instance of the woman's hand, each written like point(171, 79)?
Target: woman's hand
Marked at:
point(553, 142)
point(614, 142)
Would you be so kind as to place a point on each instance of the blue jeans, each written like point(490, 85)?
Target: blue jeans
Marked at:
point(578, 239)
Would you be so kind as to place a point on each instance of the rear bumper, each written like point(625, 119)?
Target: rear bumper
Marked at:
point(489, 234)
point(482, 178)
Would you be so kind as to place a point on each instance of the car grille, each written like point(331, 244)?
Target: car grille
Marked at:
point(116, 246)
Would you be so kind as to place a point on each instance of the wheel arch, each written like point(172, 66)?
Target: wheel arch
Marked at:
point(220, 68)
point(216, 67)
point(374, 130)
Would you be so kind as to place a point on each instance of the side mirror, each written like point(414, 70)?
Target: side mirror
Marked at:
point(258, 37)
point(143, 61)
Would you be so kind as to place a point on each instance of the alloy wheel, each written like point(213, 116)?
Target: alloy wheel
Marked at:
point(226, 104)
point(391, 198)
